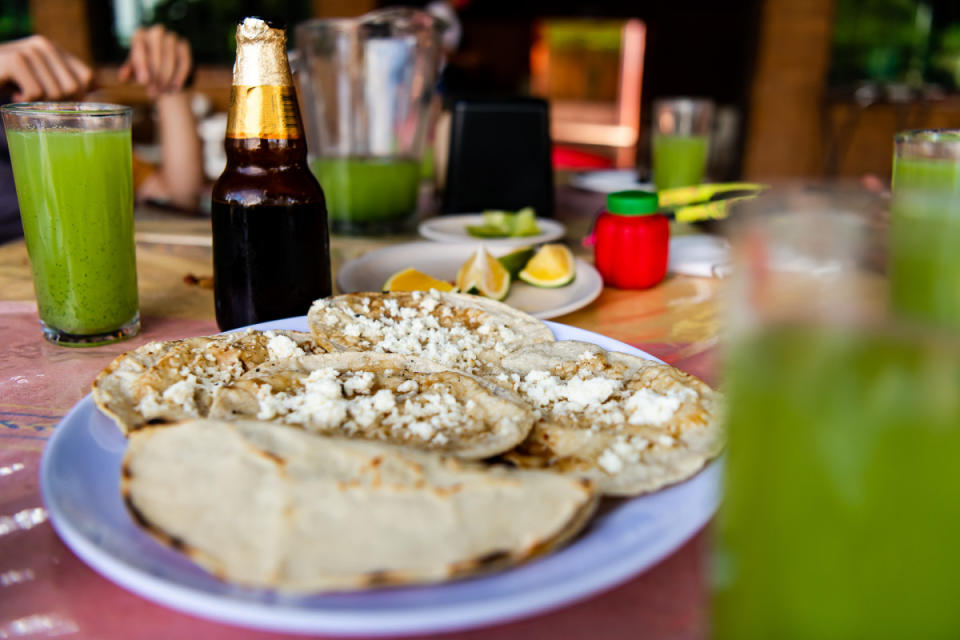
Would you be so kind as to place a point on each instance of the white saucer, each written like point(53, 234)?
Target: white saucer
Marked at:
point(453, 228)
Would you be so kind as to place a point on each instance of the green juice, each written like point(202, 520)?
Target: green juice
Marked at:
point(678, 161)
point(925, 240)
point(841, 512)
point(76, 202)
point(369, 195)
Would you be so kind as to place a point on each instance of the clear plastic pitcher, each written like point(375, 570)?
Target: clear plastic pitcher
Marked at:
point(366, 86)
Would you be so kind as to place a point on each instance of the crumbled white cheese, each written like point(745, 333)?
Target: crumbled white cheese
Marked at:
point(181, 393)
point(576, 394)
point(610, 462)
point(428, 304)
point(416, 330)
point(408, 386)
point(383, 401)
point(358, 383)
point(648, 407)
point(280, 346)
point(330, 399)
point(624, 450)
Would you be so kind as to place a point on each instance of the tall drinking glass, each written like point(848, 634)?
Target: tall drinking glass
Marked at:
point(72, 169)
point(842, 504)
point(925, 226)
point(681, 141)
point(367, 85)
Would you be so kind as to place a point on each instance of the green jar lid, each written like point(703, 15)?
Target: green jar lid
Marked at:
point(633, 203)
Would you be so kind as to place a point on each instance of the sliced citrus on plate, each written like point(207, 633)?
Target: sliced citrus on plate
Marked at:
point(410, 279)
point(515, 261)
point(525, 223)
point(551, 266)
point(484, 274)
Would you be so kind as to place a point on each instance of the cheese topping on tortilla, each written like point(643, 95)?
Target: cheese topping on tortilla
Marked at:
point(350, 401)
point(428, 328)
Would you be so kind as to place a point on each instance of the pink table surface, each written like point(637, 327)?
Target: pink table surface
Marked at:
point(46, 591)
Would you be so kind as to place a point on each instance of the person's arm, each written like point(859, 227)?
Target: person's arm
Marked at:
point(161, 62)
point(37, 69)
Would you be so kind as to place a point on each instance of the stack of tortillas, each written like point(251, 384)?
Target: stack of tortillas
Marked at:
point(408, 438)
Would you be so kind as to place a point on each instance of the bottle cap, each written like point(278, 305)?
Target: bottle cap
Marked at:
point(632, 203)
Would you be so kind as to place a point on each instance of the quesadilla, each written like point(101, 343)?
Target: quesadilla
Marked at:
point(381, 396)
point(460, 331)
point(267, 505)
point(630, 425)
point(166, 381)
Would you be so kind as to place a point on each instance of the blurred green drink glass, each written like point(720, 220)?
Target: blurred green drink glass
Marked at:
point(925, 226)
point(842, 505)
point(72, 169)
point(680, 141)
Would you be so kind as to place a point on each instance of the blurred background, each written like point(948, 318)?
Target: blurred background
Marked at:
point(803, 89)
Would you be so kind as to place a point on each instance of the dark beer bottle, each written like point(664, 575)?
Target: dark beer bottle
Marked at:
point(271, 249)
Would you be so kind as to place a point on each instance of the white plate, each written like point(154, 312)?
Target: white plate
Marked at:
point(442, 261)
point(453, 228)
point(701, 255)
point(80, 476)
point(608, 181)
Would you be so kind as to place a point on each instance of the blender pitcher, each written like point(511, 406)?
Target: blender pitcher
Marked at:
point(366, 86)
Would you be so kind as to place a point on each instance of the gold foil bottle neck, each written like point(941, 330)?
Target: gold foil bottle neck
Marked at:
point(261, 55)
point(262, 101)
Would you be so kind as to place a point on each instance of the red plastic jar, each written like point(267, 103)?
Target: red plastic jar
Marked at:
point(631, 241)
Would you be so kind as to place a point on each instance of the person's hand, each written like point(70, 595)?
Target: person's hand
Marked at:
point(159, 60)
point(40, 70)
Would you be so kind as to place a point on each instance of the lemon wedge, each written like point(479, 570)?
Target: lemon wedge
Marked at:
point(482, 273)
point(551, 266)
point(412, 280)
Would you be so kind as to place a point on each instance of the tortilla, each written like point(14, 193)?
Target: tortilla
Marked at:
point(167, 381)
point(460, 331)
point(381, 396)
point(630, 425)
point(266, 505)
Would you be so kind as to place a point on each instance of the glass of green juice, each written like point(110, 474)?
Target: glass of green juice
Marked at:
point(367, 86)
point(925, 226)
point(680, 141)
point(72, 170)
point(841, 504)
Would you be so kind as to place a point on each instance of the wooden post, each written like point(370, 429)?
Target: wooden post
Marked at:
point(784, 135)
point(66, 23)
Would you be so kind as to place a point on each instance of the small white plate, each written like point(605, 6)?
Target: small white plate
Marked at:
point(700, 255)
point(609, 181)
point(80, 481)
point(453, 228)
point(442, 261)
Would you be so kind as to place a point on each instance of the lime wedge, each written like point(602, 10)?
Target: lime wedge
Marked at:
point(515, 261)
point(485, 231)
point(525, 223)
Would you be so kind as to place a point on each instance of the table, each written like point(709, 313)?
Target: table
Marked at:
point(46, 591)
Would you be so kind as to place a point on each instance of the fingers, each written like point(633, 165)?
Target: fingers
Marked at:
point(184, 65)
point(154, 40)
point(16, 70)
point(43, 71)
point(137, 66)
point(168, 60)
point(159, 60)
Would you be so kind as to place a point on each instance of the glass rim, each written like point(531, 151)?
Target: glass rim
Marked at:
point(936, 136)
point(74, 109)
point(314, 25)
point(694, 100)
point(929, 144)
